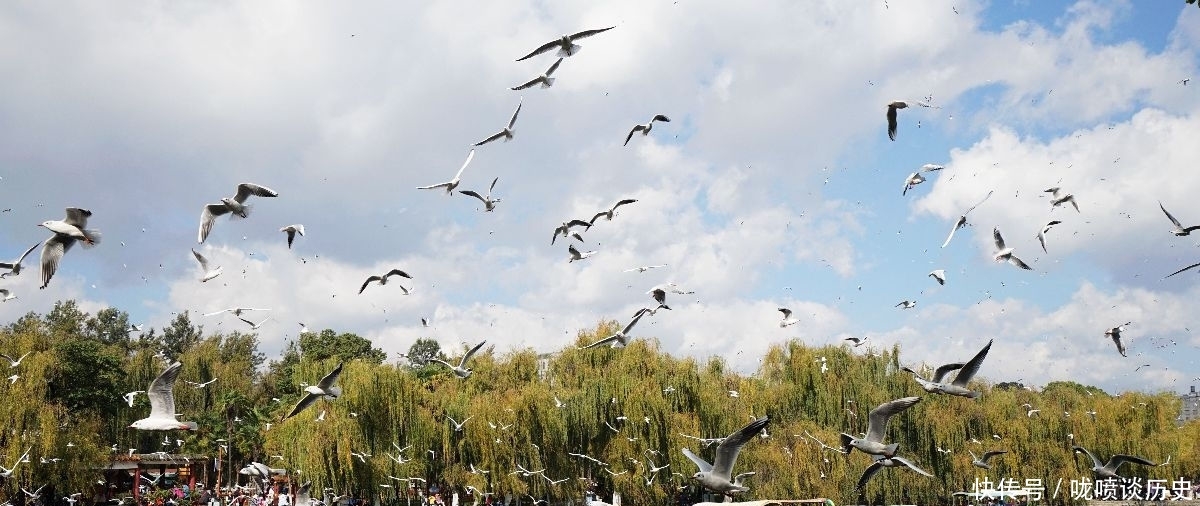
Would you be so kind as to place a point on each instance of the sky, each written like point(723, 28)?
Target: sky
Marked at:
point(773, 185)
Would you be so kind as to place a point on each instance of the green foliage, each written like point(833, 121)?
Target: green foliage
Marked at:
point(86, 377)
point(180, 336)
point(345, 347)
point(423, 350)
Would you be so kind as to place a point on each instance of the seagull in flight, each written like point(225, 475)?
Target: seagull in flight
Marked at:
point(1058, 198)
point(576, 255)
point(882, 462)
point(566, 44)
point(857, 341)
point(383, 280)
point(461, 370)
point(962, 219)
point(162, 403)
point(717, 476)
point(982, 462)
point(787, 318)
point(237, 311)
point(7, 472)
point(507, 132)
point(958, 386)
point(906, 304)
point(877, 420)
point(324, 388)
point(200, 385)
point(912, 180)
point(66, 232)
point(14, 267)
point(291, 231)
point(458, 426)
point(235, 205)
point(17, 362)
point(1109, 469)
point(207, 272)
point(1115, 334)
point(129, 397)
point(892, 109)
point(1004, 254)
point(1176, 227)
point(645, 128)
point(938, 275)
point(489, 204)
point(645, 268)
point(608, 213)
point(6, 295)
point(1041, 237)
point(545, 80)
point(254, 326)
point(565, 229)
point(453, 183)
point(622, 337)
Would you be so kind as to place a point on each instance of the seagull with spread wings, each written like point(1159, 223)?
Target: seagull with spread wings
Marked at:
point(962, 219)
point(291, 231)
point(877, 421)
point(565, 229)
point(208, 273)
point(14, 267)
point(1004, 254)
point(235, 206)
point(162, 403)
point(1041, 237)
point(621, 338)
point(507, 132)
point(787, 318)
point(461, 370)
point(566, 44)
point(1176, 228)
point(646, 127)
point(383, 280)
point(1115, 334)
point(892, 120)
point(545, 80)
point(718, 476)
point(66, 232)
point(881, 462)
point(324, 388)
point(489, 204)
point(1109, 469)
point(607, 214)
point(982, 462)
point(577, 255)
point(450, 185)
point(958, 386)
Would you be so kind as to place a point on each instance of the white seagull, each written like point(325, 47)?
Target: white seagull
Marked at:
point(939, 275)
point(162, 403)
point(14, 267)
point(507, 132)
point(906, 304)
point(292, 230)
point(324, 388)
point(576, 255)
point(129, 397)
point(255, 326)
point(237, 311)
point(566, 44)
point(235, 205)
point(6, 295)
point(718, 475)
point(982, 462)
point(7, 472)
point(453, 183)
point(857, 341)
point(877, 421)
point(621, 338)
point(1109, 469)
point(1004, 254)
point(1176, 228)
point(787, 318)
point(489, 203)
point(1041, 237)
point(608, 213)
point(207, 272)
point(17, 362)
point(959, 385)
point(912, 180)
point(461, 370)
point(383, 280)
point(1057, 198)
point(645, 268)
point(962, 219)
point(1115, 334)
point(565, 229)
point(200, 385)
point(545, 80)
point(646, 127)
point(882, 462)
point(458, 426)
point(66, 232)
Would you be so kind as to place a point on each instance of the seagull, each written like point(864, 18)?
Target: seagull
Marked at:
point(857, 341)
point(962, 219)
point(507, 132)
point(565, 229)
point(66, 232)
point(545, 80)
point(292, 230)
point(1183, 269)
point(576, 255)
point(1041, 237)
point(982, 462)
point(1057, 198)
point(734, 394)
point(129, 397)
point(645, 128)
point(882, 462)
point(1115, 334)
point(162, 403)
point(453, 183)
point(458, 426)
point(787, 318)
point(208, 273)
point(35, 496)
point(1004, 254)
point(13, 379)
point(912, 180)
point(894, 106)
point(488, 203)
point(461, 370)
point(959, 385)
point(237, 311)
point(608, 214)
point(718, 475)
point(938, 275)
point(1176, 228)
point(383, 280)
point(876, 427)
point(255, 326)
point(235, 205)
point(906, 304)
point(324, 388)
point(14, 267)
point(200, 385)
point(6, 472)
point(6, 295)
point(15, 363)
point(1031, 412)
point(660, 296)
point(645, 268)
point(1109, 469)
point(621, 337)
point(566, 44)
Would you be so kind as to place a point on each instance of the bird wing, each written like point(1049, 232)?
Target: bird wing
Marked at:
point(877, 419)
point(367, 282)
point(473, 194)
point(940, 373)
point(1095, 461)
point(660, 295)
point(623, 202)
point(602, 342)
point(162, 392)
point(991, 454)
point(470, 354)
point(867, 474)
point(305, 402)
point(470, 156)
point(77, 217)
point(493, 186)
point(578, 223)
point(52, 252)
point(574, 252)
point(588, 33)
point(200, 258)
point(977, 204)
point(27, 252)
point(529, 84)
point(636, 129)
point(891, 120)
point(972, 366)
point(245, 190)
point(1183, 269)
point(998, 238)
point(327, 382)
point(597, 216)
point(541, 49)
point(553, 67)
point(490, 139)
point(1041, 237)
point(787, 313)
point(513, 121)
point(962, 220)
point(637, 316)
point(397, 272)
point(700, 463)
point(1116, 338)
point(248, 322)
point(910, 465)
point(432, 186)
point(1019, 263)
point(727, 451)
point(1116, 461)
point(661, 117)
point(208, 215)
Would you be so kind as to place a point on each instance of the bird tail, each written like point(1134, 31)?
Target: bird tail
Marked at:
point(93, 237)
point(334, 392)
point(246, 208)
point(972, 395)
point(548, 82)
point(192, 425)
point(564, 53)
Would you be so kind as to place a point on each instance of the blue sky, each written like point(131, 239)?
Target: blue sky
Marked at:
point(774, 185)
